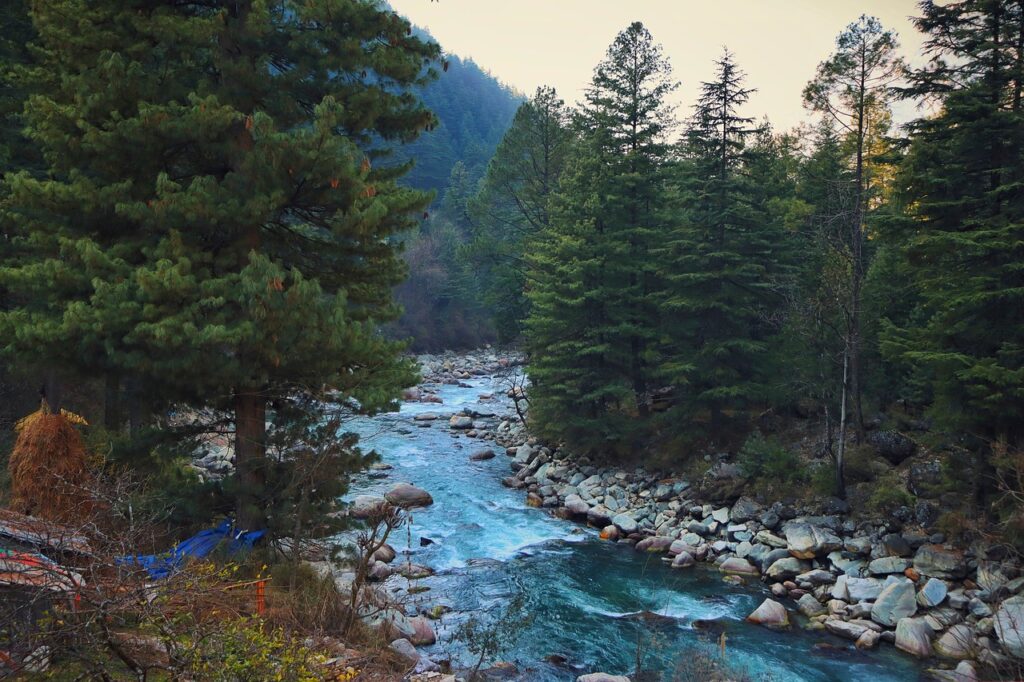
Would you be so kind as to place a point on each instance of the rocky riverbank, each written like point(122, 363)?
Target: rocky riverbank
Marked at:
point(870, 581)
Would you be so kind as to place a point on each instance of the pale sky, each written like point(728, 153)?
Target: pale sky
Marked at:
point(527, 43)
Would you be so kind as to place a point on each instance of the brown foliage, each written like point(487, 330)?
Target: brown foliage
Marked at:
point(48, 468)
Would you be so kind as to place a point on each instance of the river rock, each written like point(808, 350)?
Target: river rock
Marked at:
point(721, 515)
point(932, 594)
point(1009, 622)
point(683, 560)
point(767, 538)
point(658, 543)
point(789, 567)
point(379, 571)
point(863, 589)
point(364, 506)
point(809, 606)
point(956, 643)
point(770, 614)
point(424, 633)
point(888, 565)
point(599, 516)
point(914, 637)
point(897, 601)
point(602, 677)
point(738, 566)
point(406, 650)
point(745, 509)
point(626, 523)
point(414, 571)
point(935, 561)
point(867, 640)
point(481, 455)
point(817, 576)
point(408, 496)
point(846, 630)
point(807, 542)
point(460, 422)
point(576, 505)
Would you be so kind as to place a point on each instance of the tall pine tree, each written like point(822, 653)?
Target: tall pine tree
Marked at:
point(852, 87)
point(595, 318)
point(514, 204)
point(719, 259)
point(963, 236)
point(218, 213)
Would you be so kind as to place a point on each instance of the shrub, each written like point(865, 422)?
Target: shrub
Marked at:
point(245, 649)
point(888, 494)
point(768, 460)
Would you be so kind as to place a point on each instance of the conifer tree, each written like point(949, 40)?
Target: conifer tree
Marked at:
point(852, 87)
point(720, 257)
point(594, 327)
point(964, 228)
point(513, 204)
point(218, 213)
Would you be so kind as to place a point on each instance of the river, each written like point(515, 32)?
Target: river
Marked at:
point(488, 547)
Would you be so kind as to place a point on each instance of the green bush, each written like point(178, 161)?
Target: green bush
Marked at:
point(888, 494)
point(768, 460)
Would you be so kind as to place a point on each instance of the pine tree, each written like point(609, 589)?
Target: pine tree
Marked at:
point(964, 229)
point(513, 204)
point(594, 325)
point(852, 87)
point(219, 210)
point(719, 258)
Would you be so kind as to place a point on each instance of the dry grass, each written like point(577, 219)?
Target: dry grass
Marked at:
point(48, 468)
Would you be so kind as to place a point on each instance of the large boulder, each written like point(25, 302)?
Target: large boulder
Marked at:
point(745, 509)
point(737, 566)
point(809, 606)
point(863, 589)
point(789, 567)
point(935, 561)
point(683, 560)
point(807, 542)
point(424, 633)
point(626, 523)
point(933, 593)
point(657, 543)
point(892, 445)
point(482, 455)
point(845, 629)
point(576, 505)
point(770, 614)
point(460, 422)
point(364, 506)
point(599, 516)
point(888, 565)
point(408, 496)
point(914, 636)
point(1009, 624)
point(957, 643)
point(897, 601)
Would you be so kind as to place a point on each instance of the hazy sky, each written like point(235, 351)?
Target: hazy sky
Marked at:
point(527, 43)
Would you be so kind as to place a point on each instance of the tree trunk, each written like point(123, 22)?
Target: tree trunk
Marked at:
point(112, 402)
point(857, 269)
point(137, 412)
point(841, 453)
point(51, 391)
point(250, 456)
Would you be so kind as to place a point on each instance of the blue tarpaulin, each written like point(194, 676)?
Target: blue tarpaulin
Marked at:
point(196, 547)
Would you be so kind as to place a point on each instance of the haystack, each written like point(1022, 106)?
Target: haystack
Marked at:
point(49, 475)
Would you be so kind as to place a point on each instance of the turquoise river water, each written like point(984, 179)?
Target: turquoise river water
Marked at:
point(582, 593)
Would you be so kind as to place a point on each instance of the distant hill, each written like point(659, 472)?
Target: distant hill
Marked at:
point(475, 109)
